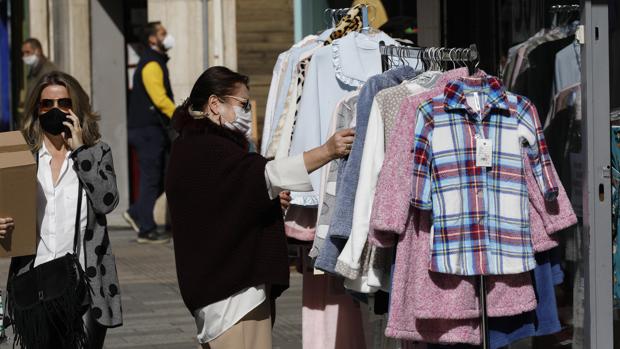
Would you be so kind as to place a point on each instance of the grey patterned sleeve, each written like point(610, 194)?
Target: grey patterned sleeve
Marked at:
point(95, 169)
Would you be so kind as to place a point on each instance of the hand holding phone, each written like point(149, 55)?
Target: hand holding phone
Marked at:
point(74, 133)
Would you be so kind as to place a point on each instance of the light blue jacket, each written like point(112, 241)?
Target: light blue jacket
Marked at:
point(334, 70)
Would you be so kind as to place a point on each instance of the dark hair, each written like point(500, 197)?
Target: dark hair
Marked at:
point(35, 43)
point(150, 30)
point(219, 81)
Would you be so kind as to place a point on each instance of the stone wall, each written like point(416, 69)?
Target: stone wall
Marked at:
point(265, 28)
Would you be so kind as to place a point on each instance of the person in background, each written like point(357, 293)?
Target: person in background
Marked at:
point(38, 65)
point(151, 105)
point(72, 162)
point(226, 208)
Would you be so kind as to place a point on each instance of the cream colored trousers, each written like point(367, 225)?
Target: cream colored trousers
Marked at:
point(251, 332)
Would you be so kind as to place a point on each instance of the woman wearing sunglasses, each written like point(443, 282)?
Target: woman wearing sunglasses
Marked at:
point(76, 189)
point(226, 208)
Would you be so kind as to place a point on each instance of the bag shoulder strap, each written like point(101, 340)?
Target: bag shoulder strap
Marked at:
point(78, 216)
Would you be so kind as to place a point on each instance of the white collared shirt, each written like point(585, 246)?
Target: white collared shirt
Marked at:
point(57, 208)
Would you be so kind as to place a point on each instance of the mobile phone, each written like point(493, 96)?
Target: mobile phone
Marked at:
point(66, 129)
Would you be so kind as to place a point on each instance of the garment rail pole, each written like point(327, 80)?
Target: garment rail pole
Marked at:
point(484, 323)
point(565, 8)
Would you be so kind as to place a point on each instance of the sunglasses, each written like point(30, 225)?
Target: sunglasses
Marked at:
point(246, 106)
point(63, 104)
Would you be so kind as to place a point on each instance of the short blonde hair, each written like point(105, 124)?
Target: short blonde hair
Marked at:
point(81, 107)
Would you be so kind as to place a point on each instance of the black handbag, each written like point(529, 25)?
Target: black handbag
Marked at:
point(47, 302)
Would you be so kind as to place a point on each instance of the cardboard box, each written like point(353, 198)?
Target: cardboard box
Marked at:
point(18, 194)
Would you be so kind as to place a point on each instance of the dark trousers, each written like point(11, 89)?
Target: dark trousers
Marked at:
point(151, 145)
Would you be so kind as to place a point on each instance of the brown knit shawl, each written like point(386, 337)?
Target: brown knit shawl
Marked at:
point(228, 234)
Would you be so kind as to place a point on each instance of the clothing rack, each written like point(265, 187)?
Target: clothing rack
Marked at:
point(565, 8)
point(470, 57)
point(565, 11)
point(430, 56)
point(335, 14)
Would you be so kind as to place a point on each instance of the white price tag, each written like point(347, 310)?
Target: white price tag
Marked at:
point(484, 151)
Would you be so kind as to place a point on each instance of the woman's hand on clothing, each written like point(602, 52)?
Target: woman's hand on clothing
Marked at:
point(285, 200)
point(75, 139)
point(6, 226)
point(337, 146)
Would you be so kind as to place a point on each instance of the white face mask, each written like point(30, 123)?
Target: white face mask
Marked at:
point(168, 42)
point(30, 60)
point(243, 121)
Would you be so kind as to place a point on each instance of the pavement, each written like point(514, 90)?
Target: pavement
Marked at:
point(154, 314)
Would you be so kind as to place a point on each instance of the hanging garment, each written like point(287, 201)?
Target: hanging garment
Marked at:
point(300, 223)
point(334, 70)
point(536, 82)
point(271, 100)
point(567, 67)
point(344, 117)
point(504, 331)
point(563, 135)
point(282, 128)
point(515, 56)
point(331, 318)
point(543, 321)
point(280, 82)
point(283, 135)
point(517, 61)
point(492, 220)
point(340, 225)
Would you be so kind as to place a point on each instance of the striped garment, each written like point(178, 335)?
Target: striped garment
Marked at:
point(480, 214)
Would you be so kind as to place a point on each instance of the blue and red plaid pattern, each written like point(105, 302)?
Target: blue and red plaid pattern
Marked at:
point(480, 214)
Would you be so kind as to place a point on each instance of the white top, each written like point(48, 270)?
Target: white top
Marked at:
point(271, 99)
point(214, 319)
point(56, 209)
point(284, 144)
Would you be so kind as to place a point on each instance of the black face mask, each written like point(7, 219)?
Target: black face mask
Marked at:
point(51, 121)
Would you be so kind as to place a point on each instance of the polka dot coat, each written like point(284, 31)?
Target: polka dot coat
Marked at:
point(95, 169)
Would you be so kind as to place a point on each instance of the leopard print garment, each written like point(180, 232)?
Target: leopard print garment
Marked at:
point(301, 79)
point(351, 22)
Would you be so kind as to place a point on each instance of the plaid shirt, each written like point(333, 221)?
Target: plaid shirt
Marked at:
point(480, 214)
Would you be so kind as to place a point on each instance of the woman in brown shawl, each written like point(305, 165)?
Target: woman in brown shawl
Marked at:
point(230, 247)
